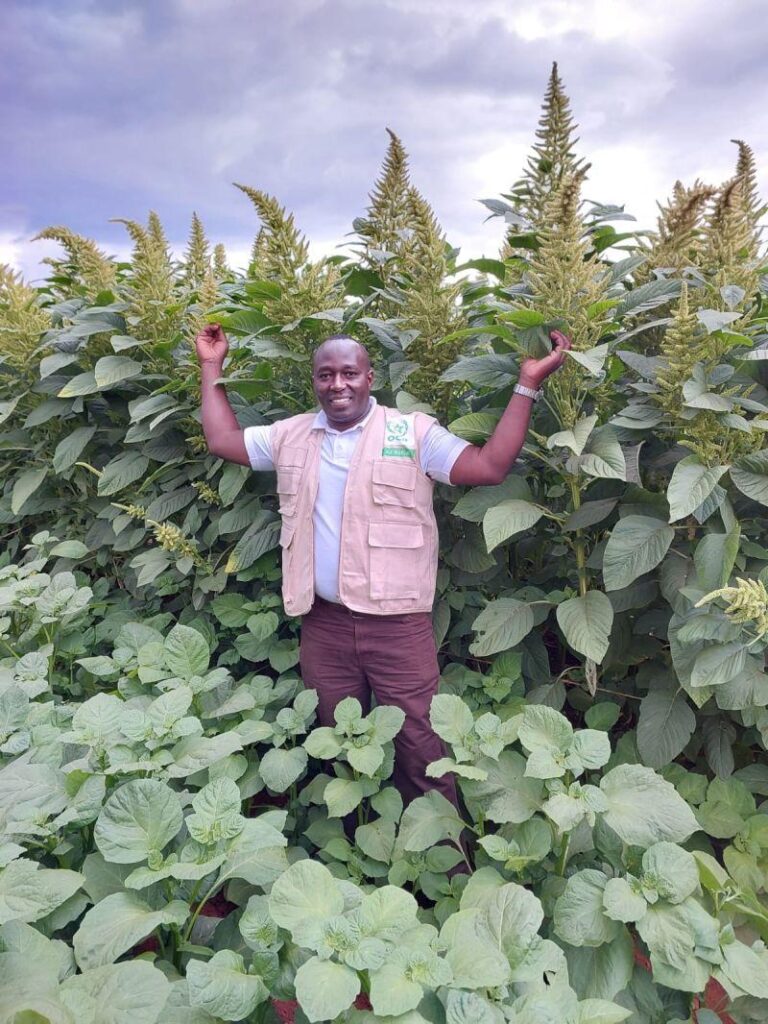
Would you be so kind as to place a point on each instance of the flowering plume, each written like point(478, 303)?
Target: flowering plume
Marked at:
point(553, 159)
point(281, 255)
point(429, 305)
point(385, 227)
point(153, 314)
point(196, 258)
point(731, 242)
point(220, 265)
point(677, 240)
point(564, 278)
point(22, 320)
point(85, 262)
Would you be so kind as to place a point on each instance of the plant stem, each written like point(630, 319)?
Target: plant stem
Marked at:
point(581, 555)
point(563, 857)
point(8, 647)
point(211, 892)
point(460, 848)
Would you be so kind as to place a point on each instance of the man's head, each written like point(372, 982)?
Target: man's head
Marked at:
point(342, 378)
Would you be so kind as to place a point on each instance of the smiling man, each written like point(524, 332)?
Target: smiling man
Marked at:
point(359, 537)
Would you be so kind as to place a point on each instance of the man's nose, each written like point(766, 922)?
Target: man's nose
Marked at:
point(337, 384)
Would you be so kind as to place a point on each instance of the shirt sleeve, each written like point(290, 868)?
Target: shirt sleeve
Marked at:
point(439, 451)
point(258, 445)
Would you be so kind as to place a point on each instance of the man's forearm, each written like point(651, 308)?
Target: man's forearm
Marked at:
point(223, 433)
point(491, 463)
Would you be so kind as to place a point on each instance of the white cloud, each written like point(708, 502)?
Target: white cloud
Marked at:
point(293, 98)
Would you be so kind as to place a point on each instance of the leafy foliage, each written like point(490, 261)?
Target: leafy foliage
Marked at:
point(602, 621)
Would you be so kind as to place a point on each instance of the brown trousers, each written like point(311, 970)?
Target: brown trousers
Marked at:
point(350, 654)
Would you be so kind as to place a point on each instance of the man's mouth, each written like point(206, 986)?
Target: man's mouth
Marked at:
point(344, 400)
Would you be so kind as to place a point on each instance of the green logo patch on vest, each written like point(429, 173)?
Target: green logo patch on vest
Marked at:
point(399, 436)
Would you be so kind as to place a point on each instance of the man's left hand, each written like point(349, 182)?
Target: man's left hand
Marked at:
point(533, 372)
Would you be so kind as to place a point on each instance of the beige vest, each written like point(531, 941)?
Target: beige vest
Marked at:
point(388, 561)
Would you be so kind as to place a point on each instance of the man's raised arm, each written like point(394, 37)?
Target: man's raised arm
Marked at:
point(491, 463)
point(223, 434)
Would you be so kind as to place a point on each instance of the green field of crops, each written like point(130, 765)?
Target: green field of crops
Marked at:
point(173, 842)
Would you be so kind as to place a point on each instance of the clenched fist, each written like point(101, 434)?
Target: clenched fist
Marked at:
point(533, 372)
point(211, 345)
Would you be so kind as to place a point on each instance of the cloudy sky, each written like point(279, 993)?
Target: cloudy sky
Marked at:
point(114, 107)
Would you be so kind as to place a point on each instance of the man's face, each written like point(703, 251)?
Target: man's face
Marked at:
point(342, 379)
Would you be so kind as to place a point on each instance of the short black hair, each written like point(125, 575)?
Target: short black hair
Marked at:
point(342, 337)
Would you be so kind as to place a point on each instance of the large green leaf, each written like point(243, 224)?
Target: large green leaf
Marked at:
point(216, 812)
point(304, 899)
point(473, 505)
point(186, 652)
point(121, 471)
point(82, 384)
point(70, 449)
point(601, 972)
point(170, 502)
point(692, 482)
point(111, 370)
point(745, 967)
point(281, 767)
point(427, 820)
point(133, 992)
point(394, 991)
point(714, 558)
point(636, 545)
point(117, 923)
point(325, 989)
point(476, 427)
point(506, 795)
point(140, 818)
point(576, 438)
point(670, 872)
point(500, 625)
point(257, 854)
point(579, 918)
point(25, 486)
point(261, 536)
point(451, 718)
point(604, 457)
point(718, 664)
point(494, 371)
point(342, 796)
point(648, 296)
point(510, 517)
point(586, 622)
point(643, 808)
point(592, 359)
point(29, 892)
point(193, 753)
point(223, 987)
point(665, 725)
point(472, 953)
point(750, 475)
point(621, 902)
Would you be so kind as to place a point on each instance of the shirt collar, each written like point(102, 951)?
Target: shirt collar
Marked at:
point(320, 421)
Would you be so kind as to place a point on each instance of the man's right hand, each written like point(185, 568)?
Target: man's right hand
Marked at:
point(211, 345)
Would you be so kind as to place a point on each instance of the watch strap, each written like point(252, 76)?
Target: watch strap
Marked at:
point(521, 389)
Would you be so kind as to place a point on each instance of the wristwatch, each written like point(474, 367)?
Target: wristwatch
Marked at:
point(521, 389)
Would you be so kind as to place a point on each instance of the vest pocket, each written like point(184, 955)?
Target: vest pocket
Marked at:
point(394, 483)
point(287, 531)
point(290, 467)
point(288, 480)
point(397, 554)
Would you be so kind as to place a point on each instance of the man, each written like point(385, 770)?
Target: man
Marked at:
point(358, 536)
